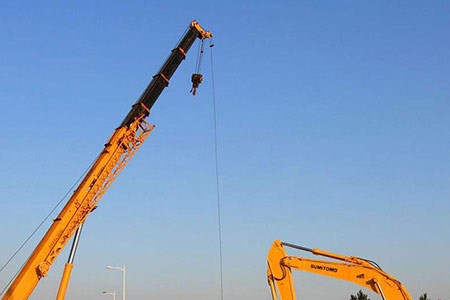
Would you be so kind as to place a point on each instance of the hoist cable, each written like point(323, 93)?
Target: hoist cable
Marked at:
point(216, 154)
point(197, 61)
point(38, 227)
point(200, 50)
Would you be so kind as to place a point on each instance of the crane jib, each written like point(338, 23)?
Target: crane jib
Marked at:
point(161, 79)
point(117, 152)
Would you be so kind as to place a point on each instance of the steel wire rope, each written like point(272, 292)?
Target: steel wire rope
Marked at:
point(38, 227)
point(216, 154)
point(200, 50)
point(197, 61)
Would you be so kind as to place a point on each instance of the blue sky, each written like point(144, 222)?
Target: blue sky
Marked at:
point(333, 133)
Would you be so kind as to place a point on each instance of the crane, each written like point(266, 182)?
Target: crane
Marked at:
point(363, 272)
point(118, 150)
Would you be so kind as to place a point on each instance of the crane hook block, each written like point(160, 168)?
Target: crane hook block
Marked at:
point(196, 80)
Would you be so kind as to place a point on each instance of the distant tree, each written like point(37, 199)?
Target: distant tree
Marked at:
point(361, 296)
point(424, 297)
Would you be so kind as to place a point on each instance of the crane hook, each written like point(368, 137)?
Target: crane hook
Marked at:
point(196, 80)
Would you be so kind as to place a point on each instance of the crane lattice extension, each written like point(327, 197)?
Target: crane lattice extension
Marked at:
point(118, 151)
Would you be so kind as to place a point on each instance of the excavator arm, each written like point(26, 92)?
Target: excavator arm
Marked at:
point(118, 150)
point(353, 269)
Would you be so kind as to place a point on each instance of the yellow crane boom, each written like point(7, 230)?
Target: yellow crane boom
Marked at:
point(118, 150)
point(354, 269)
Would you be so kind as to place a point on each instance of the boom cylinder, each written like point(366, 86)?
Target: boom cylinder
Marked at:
point(68, 266)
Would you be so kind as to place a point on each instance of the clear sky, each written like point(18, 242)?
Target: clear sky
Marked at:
point(333, 133)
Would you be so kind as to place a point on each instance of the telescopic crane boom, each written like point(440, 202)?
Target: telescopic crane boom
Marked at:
point(118, 150)
point(354, 269)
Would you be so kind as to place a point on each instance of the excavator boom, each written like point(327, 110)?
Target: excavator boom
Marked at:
point(118, 150)
point(353, 269)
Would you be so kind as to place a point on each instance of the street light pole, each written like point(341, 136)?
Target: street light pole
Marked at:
point(123, 270)
point(123, 282)
point(112, 294)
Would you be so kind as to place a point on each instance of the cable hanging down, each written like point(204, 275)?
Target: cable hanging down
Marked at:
point(216, 155)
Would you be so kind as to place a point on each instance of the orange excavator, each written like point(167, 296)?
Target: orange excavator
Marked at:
point(361, 271)
point(118, 150)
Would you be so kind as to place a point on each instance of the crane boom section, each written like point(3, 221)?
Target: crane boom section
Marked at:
point(354, 269)
point(162, 78)
point(117, 152)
